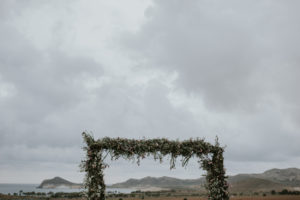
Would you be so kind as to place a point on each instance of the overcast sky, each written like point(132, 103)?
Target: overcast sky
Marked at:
point(147, 69)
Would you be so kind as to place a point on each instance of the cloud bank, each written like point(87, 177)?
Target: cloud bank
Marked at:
point(147, 69)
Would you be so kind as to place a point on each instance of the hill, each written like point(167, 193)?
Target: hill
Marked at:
point(289, 176)
point(242, 183)
point(58, 182)
point(274, 179)
point(162, 182)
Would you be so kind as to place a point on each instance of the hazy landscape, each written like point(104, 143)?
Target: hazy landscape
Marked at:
point(269, 185)
point(146, 97)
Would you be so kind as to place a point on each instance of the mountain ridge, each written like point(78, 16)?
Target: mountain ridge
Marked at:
point(276, 179)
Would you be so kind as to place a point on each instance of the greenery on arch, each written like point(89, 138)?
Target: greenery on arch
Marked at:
point(210, 158)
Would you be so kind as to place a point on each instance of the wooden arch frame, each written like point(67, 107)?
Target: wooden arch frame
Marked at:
point(210, 159)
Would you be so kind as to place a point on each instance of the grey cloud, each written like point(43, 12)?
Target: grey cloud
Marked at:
point(26, 155)
point(241, 59)
point(38, 84)
point(51, 103)
point(223, 51)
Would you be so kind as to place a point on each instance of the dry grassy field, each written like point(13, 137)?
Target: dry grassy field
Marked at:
point(270, 197)
point(233, 198)
point(279, 197)
point(282, 197)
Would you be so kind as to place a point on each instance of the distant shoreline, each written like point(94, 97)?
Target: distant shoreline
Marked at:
point(15, 188)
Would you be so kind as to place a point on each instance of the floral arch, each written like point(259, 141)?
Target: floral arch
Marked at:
point(210, 158)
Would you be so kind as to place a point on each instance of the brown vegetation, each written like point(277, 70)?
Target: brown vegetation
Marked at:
point(268, 197)
point(279, 197)
point(275, 197)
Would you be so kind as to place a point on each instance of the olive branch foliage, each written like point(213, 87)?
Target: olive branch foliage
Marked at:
point(210, 158)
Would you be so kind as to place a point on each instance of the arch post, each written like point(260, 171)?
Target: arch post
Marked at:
point(94, 168)
point(216, 183)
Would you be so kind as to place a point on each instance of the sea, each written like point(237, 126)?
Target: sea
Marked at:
point(16, 188)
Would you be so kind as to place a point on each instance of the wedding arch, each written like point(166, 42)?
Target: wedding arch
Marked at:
point(210, 159)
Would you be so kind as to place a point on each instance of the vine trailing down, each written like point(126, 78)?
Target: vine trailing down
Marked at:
point(210, 159)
